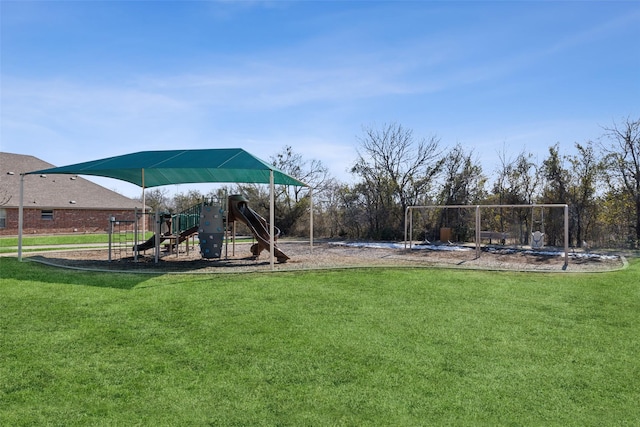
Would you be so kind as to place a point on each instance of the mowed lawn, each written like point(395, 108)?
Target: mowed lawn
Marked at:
point(388, 347)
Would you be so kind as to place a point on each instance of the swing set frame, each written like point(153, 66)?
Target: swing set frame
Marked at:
point(408, 221)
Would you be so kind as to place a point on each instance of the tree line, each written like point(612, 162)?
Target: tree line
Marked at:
point(394, 169)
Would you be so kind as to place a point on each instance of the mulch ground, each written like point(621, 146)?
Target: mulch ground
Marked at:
point(327, 255)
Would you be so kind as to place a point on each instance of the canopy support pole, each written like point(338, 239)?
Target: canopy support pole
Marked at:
point(144, 209)
point(566, 237)
point(157, 229)
point(20, 217)
point(478, 234)
point(271, 218)
point(311, 219)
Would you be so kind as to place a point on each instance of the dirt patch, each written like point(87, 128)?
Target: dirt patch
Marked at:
point(336, 255)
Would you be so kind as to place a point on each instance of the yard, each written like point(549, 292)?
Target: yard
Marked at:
point(365, 346)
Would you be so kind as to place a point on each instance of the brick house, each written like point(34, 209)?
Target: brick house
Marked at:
point(56, 203)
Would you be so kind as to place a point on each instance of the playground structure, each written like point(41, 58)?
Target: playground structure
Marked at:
point(148, 169)
point(514, 225)
point(239, 210)
point(213, 221)
point(122, 233)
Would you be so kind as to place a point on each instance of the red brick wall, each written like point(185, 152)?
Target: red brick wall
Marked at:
point(64, 221)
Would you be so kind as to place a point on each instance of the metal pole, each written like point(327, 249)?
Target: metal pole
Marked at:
point(405, 226)
point(157, 237)
point(111, 219)
point(20, 217)
point(135, 234)
point(410, 229)
point(144, 209)
point(233, 240)
point(225, 203)
point(566, 236)
point(478, 222)
point(311, 219)
point(271, 218)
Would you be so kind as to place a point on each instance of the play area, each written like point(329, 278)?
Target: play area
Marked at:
point(340, 255)
point(205, 237)
point(209, 228)
point(517, 237)
point(148, 169)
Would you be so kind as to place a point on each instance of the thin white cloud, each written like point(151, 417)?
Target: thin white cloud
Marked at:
point(263, 86)
point(312, 92)
point(600, 31)
point(64, 116)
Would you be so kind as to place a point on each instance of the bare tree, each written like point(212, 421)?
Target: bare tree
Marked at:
point(184, 201)
point(517, 182)
point(556, 177)
point(346, 213)
point(621, 145)
point(292, 202)
point(555, 190)
point(583, 180)
point(463, 183)
point(463, 180)
point(395, 169)
point(157, 199)
point(312, 172)
point(328, 218)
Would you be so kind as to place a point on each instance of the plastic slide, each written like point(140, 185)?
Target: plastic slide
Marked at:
point(185, 234)
point(151, 242)
point(240, 210)
point(148, 244)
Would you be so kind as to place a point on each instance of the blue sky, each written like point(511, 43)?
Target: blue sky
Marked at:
point(82, 80)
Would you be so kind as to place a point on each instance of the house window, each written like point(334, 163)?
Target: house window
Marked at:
point(3, 218)
point(46, 214)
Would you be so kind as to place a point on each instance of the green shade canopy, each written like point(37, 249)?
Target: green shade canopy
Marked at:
point(155, 168)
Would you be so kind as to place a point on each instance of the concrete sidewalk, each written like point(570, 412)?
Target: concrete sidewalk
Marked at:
point(13, 250)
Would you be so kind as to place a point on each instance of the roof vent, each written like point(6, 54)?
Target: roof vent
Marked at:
point(43, 176)
point(73, 202)
point(10, 173)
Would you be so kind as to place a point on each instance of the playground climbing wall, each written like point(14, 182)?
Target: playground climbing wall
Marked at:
point(211, 231)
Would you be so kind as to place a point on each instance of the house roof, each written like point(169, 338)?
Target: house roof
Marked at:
point(156, 168)
point(53, 191)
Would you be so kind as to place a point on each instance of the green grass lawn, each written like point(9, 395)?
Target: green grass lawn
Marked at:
point(62, 241)
point(54, 242)
point(357, 347)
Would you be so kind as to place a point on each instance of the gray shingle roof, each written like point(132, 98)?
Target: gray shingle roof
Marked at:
point(53, 191)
